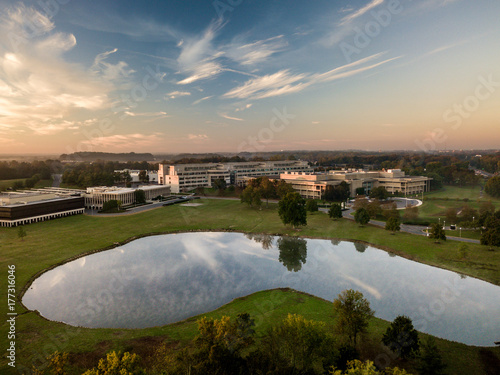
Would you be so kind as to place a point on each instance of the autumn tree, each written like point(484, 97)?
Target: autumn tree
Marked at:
point(353, 313)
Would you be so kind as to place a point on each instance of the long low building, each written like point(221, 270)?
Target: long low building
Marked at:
point(313, 185)
point(32, 207)
point(96, 196)
point(184, 177)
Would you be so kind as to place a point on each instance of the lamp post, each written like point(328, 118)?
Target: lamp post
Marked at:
point(460, 231)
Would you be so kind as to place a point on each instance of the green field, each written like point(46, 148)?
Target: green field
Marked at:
point(50, 243)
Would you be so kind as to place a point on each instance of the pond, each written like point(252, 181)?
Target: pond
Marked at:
point(162, 279)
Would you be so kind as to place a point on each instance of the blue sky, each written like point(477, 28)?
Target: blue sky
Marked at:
point(243, 75)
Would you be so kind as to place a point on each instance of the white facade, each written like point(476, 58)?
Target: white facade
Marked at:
point(96, 196)
point(134, 173)
point(182, 177)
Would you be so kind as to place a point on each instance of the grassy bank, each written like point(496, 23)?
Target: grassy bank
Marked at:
point(53, 242)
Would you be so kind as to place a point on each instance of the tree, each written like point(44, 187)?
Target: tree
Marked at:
point(353, 312)
point(361, 216)
point(293, 252)
point(251, 195)
point(338, 193)
point(411, 213)
point(311, 205)
point(379, 192)
point(402, 338)
point(430, 361)
point(393, 224)
point(374, 208)
point(360, 191)
point(291, 209)
point(140, 196)
point(117, 364)
point(283, 188)
point(111, 205)
point(219, 184)
point(21, 233)
point(451, 215)
point(492, 186)
point(335, 211)
point(267, 189)
point(437, 232)
point(358, 367)
point(144, 176)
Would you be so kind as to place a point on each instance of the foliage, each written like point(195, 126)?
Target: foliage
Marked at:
point(338, 193)
point(430, 361)
point(117, 364)
point(140, 196)
point(393, 224)
point(437, 232)
point(402, 338)
point(293, 252)
point(353, 312)
point(463, 250)
point(358, 367)
point(467, 214)
point(360, 191)
point(21, 233)
point(374, 208)
point(283, 188)
point(379, 192)
point(492, 187)
point(451, 215)
point(251, 195)
point(291, 209)
point(311, 205)
point(491, 233)
point(111, 205)
point(144, 176)
point(335, 211)
point(411, 213)
point(299, 346)
point(361, 216)
point(219, 184)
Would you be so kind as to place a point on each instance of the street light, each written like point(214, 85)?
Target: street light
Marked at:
point(460, 231)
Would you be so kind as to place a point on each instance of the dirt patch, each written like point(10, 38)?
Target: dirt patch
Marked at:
point(88, 360)
point(490, 362)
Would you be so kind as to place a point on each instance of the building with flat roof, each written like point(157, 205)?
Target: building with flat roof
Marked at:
point(313, 185)
point(20, 208)
point(184, 177)
point(96, 196)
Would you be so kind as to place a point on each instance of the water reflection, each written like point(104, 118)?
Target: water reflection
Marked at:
point(293, 252)
point(163, 279)
point(361, 247)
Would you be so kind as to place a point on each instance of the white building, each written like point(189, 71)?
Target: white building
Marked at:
point(134, 173)
point(96, 196)
point(183, 177)
point(313, 185)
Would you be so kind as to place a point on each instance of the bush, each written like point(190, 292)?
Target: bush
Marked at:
point(311, 205)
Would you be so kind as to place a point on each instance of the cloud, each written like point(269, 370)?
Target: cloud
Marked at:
point(225, 115)
point(124, 141)
point(283, 82)
point(146, 114)
point(201, 100)
point(109, 71)
point(39, 90)
point(350, 17)
point(256, 52)
point(197, 137)
point(176, 94)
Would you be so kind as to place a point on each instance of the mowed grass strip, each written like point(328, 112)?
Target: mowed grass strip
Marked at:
point(50, 243)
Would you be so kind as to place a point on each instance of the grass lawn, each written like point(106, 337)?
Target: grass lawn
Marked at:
point(50, 243)
point(452, 197)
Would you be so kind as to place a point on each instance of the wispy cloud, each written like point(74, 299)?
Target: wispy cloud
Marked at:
point(197, 137)
point(201, 100)
point(225, 115)
point(177, 94)
point(255, 52)
point(124, 141)
point(358, 13)
point(284, 82)
point(146, 114)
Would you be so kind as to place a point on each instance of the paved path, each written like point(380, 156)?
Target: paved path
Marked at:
point(412, 229)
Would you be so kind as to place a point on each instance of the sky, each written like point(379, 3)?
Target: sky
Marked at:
point(248, 75)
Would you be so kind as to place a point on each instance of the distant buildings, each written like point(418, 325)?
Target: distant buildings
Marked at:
point(96, 196)
point(20, 208)
point(134, 173)
point(183, 177)
point(313, 186)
